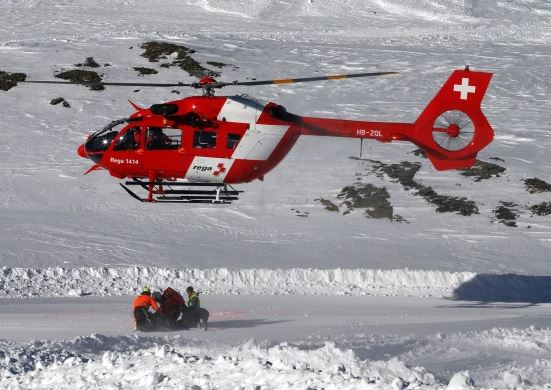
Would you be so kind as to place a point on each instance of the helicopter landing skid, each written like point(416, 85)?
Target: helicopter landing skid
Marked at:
point(164, 192)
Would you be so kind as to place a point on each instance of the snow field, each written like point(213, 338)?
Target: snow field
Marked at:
point(53, 216)
point(113, 362)
point(454, 11)
point(54, 222)
point(443, 336)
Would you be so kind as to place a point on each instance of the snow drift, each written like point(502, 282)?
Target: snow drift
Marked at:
point(138, 362)
point(133, 362)
point(103, 281)
point(24, 282)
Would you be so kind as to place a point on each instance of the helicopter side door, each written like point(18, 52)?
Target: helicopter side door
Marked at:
point(213, 150)
point(124, 155)
point(164, 150)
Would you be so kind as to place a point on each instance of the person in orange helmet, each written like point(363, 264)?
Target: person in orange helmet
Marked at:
point(141, 307)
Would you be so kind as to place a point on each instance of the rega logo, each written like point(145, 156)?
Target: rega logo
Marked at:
point(202, 168)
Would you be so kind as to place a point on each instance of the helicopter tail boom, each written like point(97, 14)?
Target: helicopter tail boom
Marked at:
point(451, 130)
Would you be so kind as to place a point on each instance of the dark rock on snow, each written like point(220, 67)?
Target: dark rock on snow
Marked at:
point(483, 170)
point(9, 80)
point(83, 76)
point(61, 100)
point(155, 51)
point(507, 213)
point(535, 185)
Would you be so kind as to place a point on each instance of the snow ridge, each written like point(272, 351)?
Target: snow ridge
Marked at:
point(102, 281)
point(136, 362)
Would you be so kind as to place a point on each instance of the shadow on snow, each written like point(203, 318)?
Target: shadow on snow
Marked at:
point(507, 288)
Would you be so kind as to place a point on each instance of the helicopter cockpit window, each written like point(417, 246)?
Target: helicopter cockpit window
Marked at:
point(101, 139)
point(232, 141)
point(163, 138)
point(130, 140)
point(204, 139)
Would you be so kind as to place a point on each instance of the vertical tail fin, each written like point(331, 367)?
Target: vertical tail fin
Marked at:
point(452, 129)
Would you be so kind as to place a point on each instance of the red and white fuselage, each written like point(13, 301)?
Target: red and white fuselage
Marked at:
point(237, 139)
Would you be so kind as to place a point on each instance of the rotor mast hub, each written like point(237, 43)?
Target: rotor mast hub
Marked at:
point(207, 84)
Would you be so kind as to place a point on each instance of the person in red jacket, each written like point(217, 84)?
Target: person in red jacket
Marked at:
point(172, 305)
point(141, 307)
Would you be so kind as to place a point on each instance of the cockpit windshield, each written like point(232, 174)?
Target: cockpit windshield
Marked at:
point(109, 127)
point(101, 139)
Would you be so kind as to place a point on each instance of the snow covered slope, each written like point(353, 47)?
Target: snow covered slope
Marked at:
point(53, 216)
point(62, 233)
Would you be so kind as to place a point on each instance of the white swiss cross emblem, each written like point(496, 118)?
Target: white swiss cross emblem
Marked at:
point(464, 88)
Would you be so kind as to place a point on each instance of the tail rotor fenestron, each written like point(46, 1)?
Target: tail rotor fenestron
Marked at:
point(453, 130)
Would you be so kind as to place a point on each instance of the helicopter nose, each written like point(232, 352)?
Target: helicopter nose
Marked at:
point(82, 151)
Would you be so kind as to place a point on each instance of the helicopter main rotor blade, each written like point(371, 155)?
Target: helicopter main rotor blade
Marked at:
point(107, 83)
point(214, 84)
point(308, 79)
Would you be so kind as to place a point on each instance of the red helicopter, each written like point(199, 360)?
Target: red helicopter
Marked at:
point(177, 150)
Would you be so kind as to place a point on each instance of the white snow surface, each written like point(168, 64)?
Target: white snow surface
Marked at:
point(107, 281)
point(63, 234)
point(131, 362)
point(27, 282)
point(332, 342)
point(102, 362)
point(53, 216)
